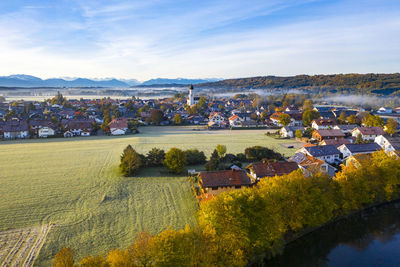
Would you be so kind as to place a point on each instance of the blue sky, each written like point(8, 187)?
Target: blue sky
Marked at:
point(193, 39)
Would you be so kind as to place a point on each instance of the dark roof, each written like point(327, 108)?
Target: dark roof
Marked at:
point(225, 178)
point(319, 151)
point(79, 124)
point(15, 126)
point(293, 128)
point(266, 169)
point(360, 148)
point(394, 141)
point(371, 130)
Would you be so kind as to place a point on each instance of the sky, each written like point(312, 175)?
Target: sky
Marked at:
point(198, 39)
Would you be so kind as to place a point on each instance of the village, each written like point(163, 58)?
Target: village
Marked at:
point(330, 135)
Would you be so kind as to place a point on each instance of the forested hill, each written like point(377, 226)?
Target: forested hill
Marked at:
point(367, 82)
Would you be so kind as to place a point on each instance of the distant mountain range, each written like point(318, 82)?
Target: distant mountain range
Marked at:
point(22, 80)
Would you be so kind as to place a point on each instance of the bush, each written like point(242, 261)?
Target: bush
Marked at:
point(194, 156)
point(131, 162)
point(241, 157)
point(175, 160)
point(155, 157)
point(259, 153)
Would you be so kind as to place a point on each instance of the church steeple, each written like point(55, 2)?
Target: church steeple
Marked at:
point(190, 100)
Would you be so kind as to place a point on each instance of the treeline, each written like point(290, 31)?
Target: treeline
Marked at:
point(176, 160)
point(348, 81)
point(254, 224)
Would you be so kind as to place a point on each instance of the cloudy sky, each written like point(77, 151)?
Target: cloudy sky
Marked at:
point(144, 39)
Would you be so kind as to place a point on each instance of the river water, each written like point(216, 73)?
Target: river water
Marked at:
point(368, 239)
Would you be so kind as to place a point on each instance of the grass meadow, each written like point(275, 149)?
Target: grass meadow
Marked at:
point(75, 184)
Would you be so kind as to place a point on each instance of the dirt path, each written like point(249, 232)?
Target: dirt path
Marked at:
point(21, 247)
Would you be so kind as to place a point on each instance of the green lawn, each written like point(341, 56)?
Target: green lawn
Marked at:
point(75, 184)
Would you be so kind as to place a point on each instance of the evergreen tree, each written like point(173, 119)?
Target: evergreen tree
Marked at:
point(130, 162)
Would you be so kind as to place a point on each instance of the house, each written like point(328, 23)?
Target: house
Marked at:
point(118, 126)
point(345, 128)
point(290, 131)
point(15, 129)
point(78, 127)
point(348, 150)
point(295, 119)
point(260, 170)
point(367, 133)
point(385, 110)
point(216, 182)
point(388, 143)
point(216, 120)
point(310, 165)
point(335, 142)
point(46, 131)
point(275, 118)
point(358, 160)
point(36, 125)
point(323, 124)
point(329, 153)
point(235, 121)
point(67, 114)
point(327, 134)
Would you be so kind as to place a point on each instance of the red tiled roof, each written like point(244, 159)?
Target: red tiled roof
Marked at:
point(118, 123)
point(233, 117)
point(336, 142)
point(267, 169)
point(330, 133)
point(371, 130)
point(325, 122)
point(224, 178)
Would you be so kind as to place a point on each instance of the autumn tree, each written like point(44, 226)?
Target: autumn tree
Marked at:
point(308, 105)
point(64, 258)
point(373, 121)
point(391, 126)
point(309, 116)
point(342, 117)
point(157, 116)
point(221, 149)
point(352, 119)
point(284, 119)
point(299, 133)
point(94, 261)
point(130, 162)
point(177, 119)
point(175, 160)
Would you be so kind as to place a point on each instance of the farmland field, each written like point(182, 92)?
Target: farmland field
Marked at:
point(74, 184)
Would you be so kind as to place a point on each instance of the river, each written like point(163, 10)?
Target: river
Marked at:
point(368, 239)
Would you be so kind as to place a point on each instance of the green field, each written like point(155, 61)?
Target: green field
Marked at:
point(75, 184)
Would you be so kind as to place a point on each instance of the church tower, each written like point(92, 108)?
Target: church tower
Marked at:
point(190, 100)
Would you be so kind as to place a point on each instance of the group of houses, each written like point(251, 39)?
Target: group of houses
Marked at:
point(309, 159)
point(85, 117)
point(331, 145)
